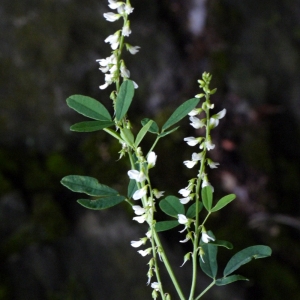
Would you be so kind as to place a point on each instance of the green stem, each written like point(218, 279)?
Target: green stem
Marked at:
point(168, 266)
point(208, 288)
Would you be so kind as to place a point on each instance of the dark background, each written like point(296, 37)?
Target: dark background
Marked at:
point(52, 248)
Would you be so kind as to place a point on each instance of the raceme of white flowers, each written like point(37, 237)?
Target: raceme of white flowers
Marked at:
point(112, 66)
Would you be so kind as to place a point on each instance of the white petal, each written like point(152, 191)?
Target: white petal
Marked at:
point(140, 219)
point(136, 175)
point(185, 200)
point(136, 244)
point(138, 210)
point(184, 192)
point(206, 238)
point(189, 164)
point(182, 219)
point(111, 17)
point(140, 193)
point(151, 159)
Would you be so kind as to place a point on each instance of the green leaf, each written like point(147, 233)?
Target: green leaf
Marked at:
point(101, 203)
point(87, 185)
point(142, 133)
point(124, 99)
point(230, 279)
point(132, 188)
point(90, 126)
point(153, 128)
point(165, 225)
point(171, 206)
point(221, 243)
point(181, 112)
point(245, 256)
point(223, 202)
point(168, 132)
point(127, 136)
point(210, 265)
point(206, 194)
point(191, 213)
point(89, 107)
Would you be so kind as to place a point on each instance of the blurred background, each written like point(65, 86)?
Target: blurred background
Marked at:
point(51, 247)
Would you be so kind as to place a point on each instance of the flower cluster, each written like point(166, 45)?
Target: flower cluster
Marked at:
point(113, 66)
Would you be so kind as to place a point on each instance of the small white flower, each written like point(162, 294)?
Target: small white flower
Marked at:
point(126, 29)
point(155, 286)
point(197, 156)
point(113, 40)
point(144, 252)
point(148, 234)
point(128, 9)
point(114, 4)
point(182, 219)
point(187, 237)
point(138, 210)
point(194, 112)
point(157, 193)
point(186, 258)
point(192, 141)
point(208, 145)
point(184, 192)
point(189, 164)
point(136, 175)
point(140, 219)
point(206, 238)
point(140, 193)
point(132, 49)
point(206, 183)
point(185, 200)
point(220, 114)
point(124, 71)
point(212, 165)
point(197, 123)
point(111, 17)
point(151, 159)
point(136, 244)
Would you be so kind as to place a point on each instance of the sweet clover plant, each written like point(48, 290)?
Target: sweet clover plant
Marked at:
point(194, 204)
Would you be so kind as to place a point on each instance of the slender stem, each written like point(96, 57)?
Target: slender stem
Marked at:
point(168, 266)
point(206, 290)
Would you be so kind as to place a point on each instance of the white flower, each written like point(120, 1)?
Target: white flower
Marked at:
point(132, 49)
point(151, 159)
point(186, 258)
point(220, 114)
point(140, 193)
point(157, 193)
point(197, 156)
point(136, 175)
point(184, 192)
point(144, 252)
point(140, 219)
point(126, 29)
point(114, 4)
point(197, 123)
point(206, 238)
point(111, 17)
point(148, 234)
point(113, 40)
point(182, 219)
point(192, 141)
point(194, 112)
point(128, 9)
point(208, 145)
point(155, 286)
point(138, 210)
point(185, 200)
point(212, 165)
point(136, 244)
point(187, 238)
point(214, 120)
point(124, 71)
point(189, 164)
